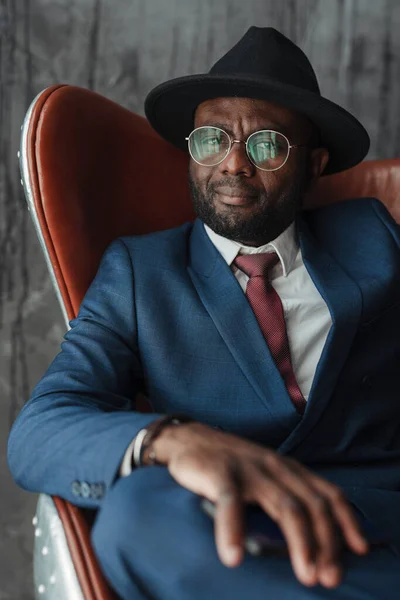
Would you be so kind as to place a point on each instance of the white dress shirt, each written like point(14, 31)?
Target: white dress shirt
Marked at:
point(307, 317)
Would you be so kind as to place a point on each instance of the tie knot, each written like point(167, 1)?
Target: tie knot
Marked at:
point(256, 265)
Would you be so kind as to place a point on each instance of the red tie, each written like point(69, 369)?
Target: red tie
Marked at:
point(267, 307)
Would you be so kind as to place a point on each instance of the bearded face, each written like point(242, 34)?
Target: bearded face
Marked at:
point(235, 198)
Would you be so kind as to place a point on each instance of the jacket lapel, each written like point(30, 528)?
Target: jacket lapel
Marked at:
point(232, 315)
point(228, 307)
point(344, 300)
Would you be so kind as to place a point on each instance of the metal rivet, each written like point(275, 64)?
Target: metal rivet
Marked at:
point(38, 532)
point(41, 589)
point(53, 579)
point(18, 154)
point(35, 521)
point(45, 550)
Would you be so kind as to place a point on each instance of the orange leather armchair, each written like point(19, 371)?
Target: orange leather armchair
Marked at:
point(93, 171)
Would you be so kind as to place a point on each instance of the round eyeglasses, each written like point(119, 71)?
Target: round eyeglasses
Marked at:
point(268, 150)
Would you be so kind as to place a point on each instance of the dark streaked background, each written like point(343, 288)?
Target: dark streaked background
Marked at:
point(122, 48)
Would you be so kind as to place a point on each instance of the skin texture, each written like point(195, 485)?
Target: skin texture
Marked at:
point(241, 202)
point(273, 197)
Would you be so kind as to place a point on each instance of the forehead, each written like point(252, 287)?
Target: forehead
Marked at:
point(240, 111)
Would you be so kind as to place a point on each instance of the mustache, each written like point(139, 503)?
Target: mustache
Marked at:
point(239, 190)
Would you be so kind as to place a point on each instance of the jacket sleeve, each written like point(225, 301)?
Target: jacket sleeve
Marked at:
point(71, 436)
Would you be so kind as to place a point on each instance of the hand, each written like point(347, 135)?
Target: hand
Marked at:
point(231, 471)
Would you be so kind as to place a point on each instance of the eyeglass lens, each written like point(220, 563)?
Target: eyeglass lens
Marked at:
point(209, 146)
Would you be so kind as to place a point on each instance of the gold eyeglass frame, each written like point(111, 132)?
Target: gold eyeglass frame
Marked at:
point(233, 141)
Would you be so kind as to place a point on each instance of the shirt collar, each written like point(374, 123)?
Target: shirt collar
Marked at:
point(286, 246)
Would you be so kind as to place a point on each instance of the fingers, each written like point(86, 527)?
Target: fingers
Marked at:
point(295, 527)
point(328, 554)
point(302, 513)
point(284, 508)
point(320, 554)
point(324, 497)
point(229, 527)
point(344, 515)
point(325, 513)
point(312, 546)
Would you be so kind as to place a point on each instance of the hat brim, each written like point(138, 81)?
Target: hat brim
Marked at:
point(170, 109)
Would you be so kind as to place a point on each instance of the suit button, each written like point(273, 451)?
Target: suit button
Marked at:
point(76, 488)
point(97, 491)
point(366, 381)
point(85, 490)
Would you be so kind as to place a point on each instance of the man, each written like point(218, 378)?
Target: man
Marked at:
point(275, 333)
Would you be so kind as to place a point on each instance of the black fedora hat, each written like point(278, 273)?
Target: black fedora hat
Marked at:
point(265, 65)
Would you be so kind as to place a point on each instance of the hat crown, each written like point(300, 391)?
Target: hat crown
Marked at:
point(264, 52)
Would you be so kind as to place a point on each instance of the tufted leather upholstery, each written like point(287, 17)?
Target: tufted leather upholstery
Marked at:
point(94, 171)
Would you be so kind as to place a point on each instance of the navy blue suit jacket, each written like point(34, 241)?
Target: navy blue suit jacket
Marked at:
point(166, 313)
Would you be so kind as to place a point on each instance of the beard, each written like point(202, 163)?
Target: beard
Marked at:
point(273, 211)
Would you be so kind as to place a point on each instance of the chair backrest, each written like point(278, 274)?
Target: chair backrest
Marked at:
point(94, 171)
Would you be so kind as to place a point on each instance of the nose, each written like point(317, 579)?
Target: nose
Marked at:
point(237, 162)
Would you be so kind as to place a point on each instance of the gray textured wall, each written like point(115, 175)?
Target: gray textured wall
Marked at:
point(121, 48)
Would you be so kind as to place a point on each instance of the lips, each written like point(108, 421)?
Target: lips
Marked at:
point(234, 197)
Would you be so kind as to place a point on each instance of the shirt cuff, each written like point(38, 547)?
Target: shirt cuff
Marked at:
point(126, 465)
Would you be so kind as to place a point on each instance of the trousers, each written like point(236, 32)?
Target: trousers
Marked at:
point(154, 542)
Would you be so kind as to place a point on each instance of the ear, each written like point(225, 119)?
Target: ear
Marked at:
point(318, 160)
